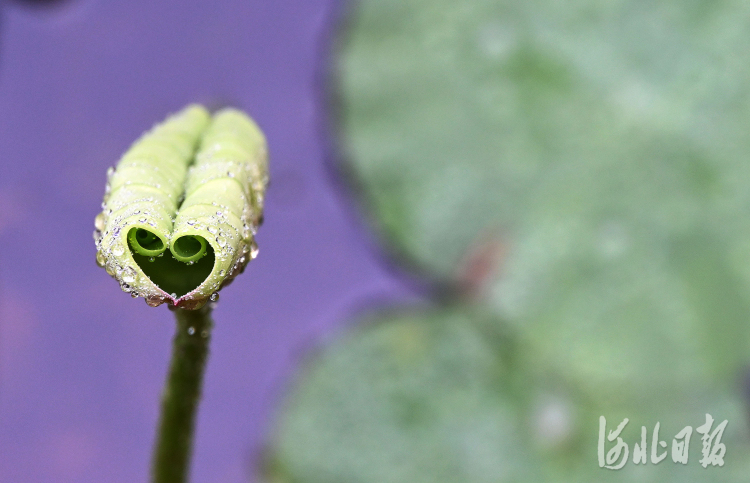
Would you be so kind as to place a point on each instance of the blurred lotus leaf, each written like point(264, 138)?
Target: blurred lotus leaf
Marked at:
point(602, 143)
point(598, 151)
point(439, 396)
point(414, 397)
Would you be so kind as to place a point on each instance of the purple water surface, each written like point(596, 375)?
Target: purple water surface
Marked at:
point(81, 363)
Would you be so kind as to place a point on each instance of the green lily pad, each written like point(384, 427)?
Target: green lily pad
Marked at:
point(603, 144)
point(441, 395)
point(457, 117)
point(417, 397)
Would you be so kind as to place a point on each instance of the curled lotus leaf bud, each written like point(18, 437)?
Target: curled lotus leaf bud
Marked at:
point(182, 207)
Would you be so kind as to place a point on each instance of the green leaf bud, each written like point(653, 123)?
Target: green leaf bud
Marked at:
point(182, 207)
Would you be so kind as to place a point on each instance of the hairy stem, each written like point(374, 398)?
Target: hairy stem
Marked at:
point(181, 395)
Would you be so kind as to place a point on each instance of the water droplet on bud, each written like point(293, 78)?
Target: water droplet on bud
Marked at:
point(111, 268)
point(99, 221)
point(154, 301)
point(128, 275)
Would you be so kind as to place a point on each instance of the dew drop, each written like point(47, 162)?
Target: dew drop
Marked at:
point(204, 334)
point(191, 330)
point(128, 275)
point(212, 230)
point(174, 295)
point(151, 259)
point(221, 273)
point(154, 301)
point(118, 250)
point(253, 250)
point(214, 297)
point(99, 221)
point(111, 269)
point(100, 259)
point(221, 241)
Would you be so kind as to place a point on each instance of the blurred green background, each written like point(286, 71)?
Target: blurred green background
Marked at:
point(572, 179)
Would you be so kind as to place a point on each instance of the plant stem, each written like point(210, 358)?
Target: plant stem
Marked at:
point(181, 394)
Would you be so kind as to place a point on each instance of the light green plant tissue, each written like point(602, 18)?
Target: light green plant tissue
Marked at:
point(182, 207)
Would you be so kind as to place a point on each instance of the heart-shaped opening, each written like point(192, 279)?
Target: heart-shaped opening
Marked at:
point(177, 271)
